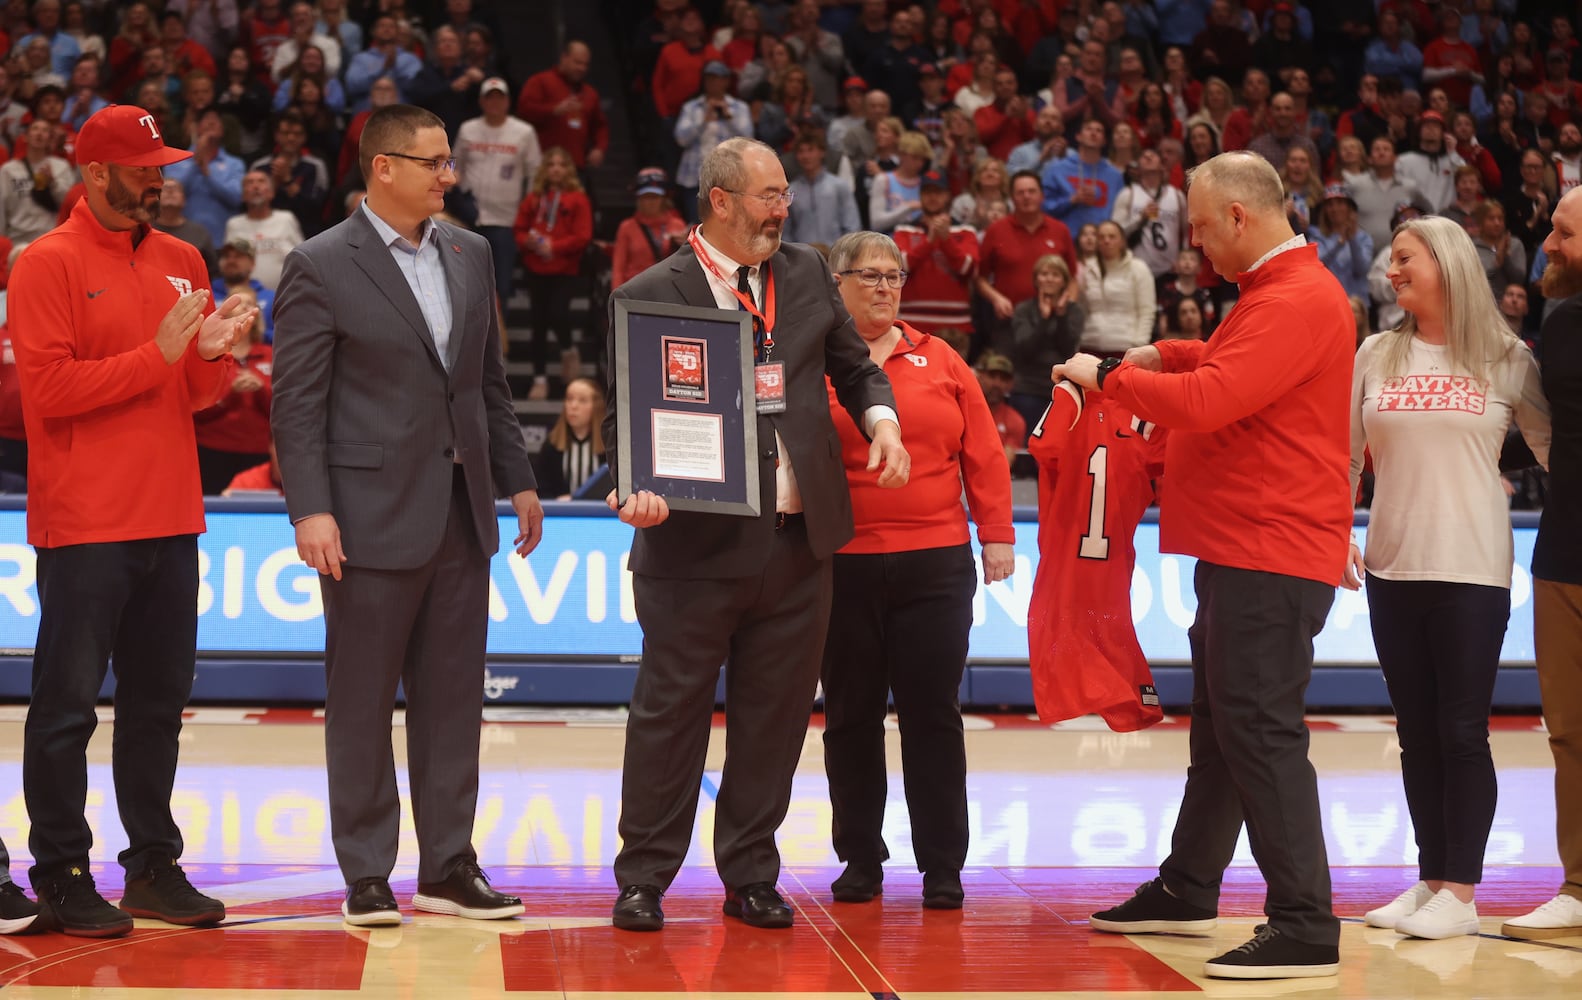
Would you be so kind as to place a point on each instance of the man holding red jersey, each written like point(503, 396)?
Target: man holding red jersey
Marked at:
point(1259, 493)
point(116, 345)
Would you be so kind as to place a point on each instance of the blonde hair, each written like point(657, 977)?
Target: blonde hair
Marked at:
point(541, 181)
point(560, 434)
point(1052, 262)
point(916, 144)
point(1476, 335)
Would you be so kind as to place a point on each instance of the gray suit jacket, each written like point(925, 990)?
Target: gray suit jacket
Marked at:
point(366, 418)
point(814, 337)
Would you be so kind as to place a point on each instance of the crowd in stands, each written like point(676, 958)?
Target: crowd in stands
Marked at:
point(997, 138)
point(991, 138)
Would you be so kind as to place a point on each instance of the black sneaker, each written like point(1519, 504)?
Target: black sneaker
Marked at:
point(942, 890)
point(1152, 910)
point(17, 912)
point(1272, 955)
point(161, 891)
point(69, 902)
point(859, 883)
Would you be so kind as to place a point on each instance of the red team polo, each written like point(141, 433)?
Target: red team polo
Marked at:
point(100, 403)
point(952, 442)
point(1009, 252)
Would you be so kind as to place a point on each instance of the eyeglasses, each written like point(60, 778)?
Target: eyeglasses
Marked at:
point(784, 198)
point(871, 278)
point(434, 163)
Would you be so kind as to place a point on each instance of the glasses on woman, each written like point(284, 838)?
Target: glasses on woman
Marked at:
point(871, 278)
point(434, 163)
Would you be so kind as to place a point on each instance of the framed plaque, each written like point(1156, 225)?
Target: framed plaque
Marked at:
point(686, 414)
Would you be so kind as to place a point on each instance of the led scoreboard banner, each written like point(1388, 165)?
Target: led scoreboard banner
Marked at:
point(570, 602)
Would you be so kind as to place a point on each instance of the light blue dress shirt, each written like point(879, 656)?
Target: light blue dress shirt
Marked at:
point(425, 275)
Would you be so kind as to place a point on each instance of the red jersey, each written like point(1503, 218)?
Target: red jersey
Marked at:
point(1097, 463)
point(938, 294)
point(264, 36)
point(111, 450)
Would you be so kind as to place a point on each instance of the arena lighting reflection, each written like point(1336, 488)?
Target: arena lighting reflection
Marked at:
point(1086, 818)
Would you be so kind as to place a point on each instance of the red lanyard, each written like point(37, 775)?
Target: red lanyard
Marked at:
point(766, 319)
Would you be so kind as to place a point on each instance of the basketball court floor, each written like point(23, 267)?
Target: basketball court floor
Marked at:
point(1064, 821)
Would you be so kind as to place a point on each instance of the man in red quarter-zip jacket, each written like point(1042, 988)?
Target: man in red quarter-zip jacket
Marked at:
point(116, 345)
point(1258, 492)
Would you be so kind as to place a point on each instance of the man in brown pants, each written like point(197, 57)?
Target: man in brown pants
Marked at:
point(1557, 571)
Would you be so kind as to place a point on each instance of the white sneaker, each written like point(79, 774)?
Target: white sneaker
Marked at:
point(1560, 917)
point(1402, 906)
point(1444, 916)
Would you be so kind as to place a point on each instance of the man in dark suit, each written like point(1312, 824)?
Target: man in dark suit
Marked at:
point(395, 432)
point(756, 591)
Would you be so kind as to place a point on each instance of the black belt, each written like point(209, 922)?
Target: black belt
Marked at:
point(784, 520)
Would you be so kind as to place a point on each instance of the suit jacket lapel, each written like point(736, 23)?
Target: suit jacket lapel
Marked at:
point(460, 292)
point(373, 257)
point(690, 280)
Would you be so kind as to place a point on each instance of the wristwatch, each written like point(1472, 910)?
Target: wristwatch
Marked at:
point(1105, 367)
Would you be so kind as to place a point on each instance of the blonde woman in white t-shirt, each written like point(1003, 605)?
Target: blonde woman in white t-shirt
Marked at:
point(1432, 401)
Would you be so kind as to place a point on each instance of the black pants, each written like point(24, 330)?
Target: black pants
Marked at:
point(132, 604)
point(1252, 659)
point(550, 296)
point(218, 468)
point(899, 624)
point(770, 628)
point(1439, 648)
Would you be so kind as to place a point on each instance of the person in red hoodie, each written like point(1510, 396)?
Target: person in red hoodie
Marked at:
point(904, 587)
point(233, 434)
point(1259, 493)
point(553, 227)
point(565, 109)
point(117, 343)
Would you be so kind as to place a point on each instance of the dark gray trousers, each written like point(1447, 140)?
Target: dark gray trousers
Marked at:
point(425, 629)
point(1252, 658)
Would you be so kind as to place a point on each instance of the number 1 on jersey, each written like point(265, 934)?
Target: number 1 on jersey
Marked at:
point(1095, 544)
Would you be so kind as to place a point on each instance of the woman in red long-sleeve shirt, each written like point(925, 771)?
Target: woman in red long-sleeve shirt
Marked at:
point(903, 589)
point(553, 227)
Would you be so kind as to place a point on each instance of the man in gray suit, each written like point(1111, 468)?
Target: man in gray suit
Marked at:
point(755, 590)
point(395, 432)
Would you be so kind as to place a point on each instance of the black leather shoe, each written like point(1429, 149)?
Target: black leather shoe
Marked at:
point(370, 903)
point(466, 892)
point(637, 909)
point(758, 905)
point(942, 891)
point(859, 883)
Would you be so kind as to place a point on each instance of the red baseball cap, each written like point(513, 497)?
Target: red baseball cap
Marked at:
point(127, 135)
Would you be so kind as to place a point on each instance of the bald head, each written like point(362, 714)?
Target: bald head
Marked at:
point(1243, 177)
point(1236, 211)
